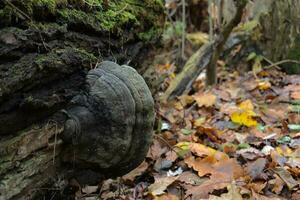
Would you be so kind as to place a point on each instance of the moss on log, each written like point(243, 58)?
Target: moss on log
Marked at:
point(47, 48)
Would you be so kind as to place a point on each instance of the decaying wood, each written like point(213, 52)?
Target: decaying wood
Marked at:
point(46, 50)
point(29, 160)
point(195, 65)
point(107, 128)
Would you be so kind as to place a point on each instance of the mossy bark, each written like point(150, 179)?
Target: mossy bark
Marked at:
point(46, 49)
point(279, 30)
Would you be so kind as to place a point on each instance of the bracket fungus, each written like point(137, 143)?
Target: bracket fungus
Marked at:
point(110, 124)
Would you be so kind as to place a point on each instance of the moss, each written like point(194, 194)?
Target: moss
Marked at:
point(94, 15)
point(47, 4)
point(56, 58)
point(152, 34)
point(294, 54)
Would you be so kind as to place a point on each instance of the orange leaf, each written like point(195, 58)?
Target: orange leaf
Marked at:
point(205, 99)
point(296, 95)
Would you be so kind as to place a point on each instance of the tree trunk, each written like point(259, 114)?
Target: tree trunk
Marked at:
point(46, 50)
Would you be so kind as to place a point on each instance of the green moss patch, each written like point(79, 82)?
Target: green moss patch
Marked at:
point(95, 15)
point(294, 54)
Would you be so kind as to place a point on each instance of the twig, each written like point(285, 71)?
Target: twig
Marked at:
point(183, 29)
point(18, 10)
point(282, 62)
point(270, 62)
point(166, 142)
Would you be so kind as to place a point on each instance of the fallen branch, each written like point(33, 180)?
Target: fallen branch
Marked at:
point(195, 65)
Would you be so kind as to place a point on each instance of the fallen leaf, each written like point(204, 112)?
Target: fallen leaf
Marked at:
point(225, 169)
point(166, 197)
point(232, 194)
point(286, 177)
point(160, 185)
point(257, 186)
point(244, 115)
point(295, 95)
point(136, 172)
point(244, 118)
point(278, 184)
point(198, 122)
point(191, 178)
point(255, 169)
point(256, 196)
point(250, 153)
point(212, 133)
point(264, 85)
point(205, 99)
point(202, 191)
point(89, 189)
point(201, 150)
point(246, 105)
point(186, 100)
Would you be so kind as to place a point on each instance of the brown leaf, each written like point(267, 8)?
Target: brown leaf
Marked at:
point(202, 191)
point(201, 150)
point(136, 172)
point(156, 150)
point(205, 99)
point(296, 195)
point(255, 169)
point(286, 177)
point(296, 95)
point(278, 184)
point(191, 178)
point(211, 133)
point(257, 186)
point(256, 196)
point(160, 185)
point(166, 197)
point(232, 194)
point(225, 169)
point(250, 153)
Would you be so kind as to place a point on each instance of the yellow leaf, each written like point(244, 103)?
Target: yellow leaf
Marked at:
point(246, 105)
point(183, 145)
point(264, 85)
point(198, 122)
point(284, 151)
point(244, 117)
point(172, 75)
point(200, 149)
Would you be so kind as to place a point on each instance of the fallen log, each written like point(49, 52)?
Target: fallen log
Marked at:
point(49, 57)
point(196, 64)
point(107, 128)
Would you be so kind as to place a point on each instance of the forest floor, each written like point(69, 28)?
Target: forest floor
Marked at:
point(237, 140)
